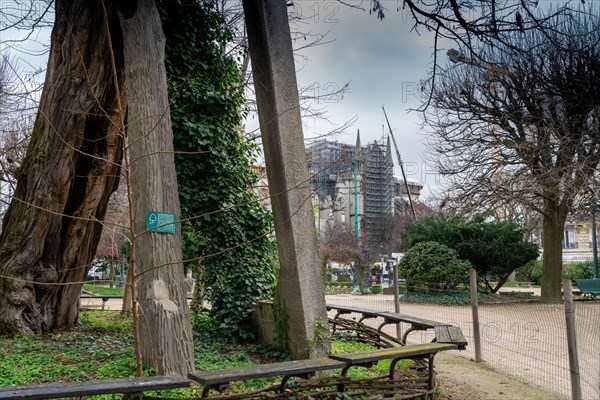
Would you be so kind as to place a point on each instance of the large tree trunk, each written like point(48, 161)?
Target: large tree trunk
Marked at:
point(555, 217)
point(164, 328)
point(52, 226)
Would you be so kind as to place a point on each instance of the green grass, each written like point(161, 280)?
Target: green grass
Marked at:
point(102, 289)
point(437, 297)
point(381, 368)
point(100, 347)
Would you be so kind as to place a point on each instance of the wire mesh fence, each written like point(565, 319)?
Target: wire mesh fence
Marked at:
point(522, 338)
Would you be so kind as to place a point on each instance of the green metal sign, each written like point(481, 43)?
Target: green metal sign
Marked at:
point(160, 222)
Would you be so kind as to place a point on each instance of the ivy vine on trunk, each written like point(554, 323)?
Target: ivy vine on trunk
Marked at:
point(228, 229)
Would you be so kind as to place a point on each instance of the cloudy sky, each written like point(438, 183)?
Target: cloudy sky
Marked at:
point(384, 62)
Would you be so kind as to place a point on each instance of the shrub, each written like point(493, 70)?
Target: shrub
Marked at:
point(376, 289)
point(434, 264)
point(434, 297)
point(338, 283)
point(530, 272)
point(578, 270)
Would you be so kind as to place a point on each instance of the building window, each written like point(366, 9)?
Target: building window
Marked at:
point(570, 239)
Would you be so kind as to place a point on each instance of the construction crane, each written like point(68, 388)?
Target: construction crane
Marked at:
point(412, 207)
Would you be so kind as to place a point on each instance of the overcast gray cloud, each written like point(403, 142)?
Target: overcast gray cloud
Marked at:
point(385, 63)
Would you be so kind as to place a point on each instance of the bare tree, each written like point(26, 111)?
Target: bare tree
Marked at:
point(16, 121)
point(524, 127)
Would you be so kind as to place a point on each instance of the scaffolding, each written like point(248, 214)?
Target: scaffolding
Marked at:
point(331, 161)
point(378, 190)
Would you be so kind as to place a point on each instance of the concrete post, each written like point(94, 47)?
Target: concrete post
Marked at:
point(301, 298)
point(475, 314)
point(572, 340)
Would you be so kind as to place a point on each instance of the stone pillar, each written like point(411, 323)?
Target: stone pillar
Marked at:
point(301, 299)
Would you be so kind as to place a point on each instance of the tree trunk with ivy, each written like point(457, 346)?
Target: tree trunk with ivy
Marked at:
point(52, 226)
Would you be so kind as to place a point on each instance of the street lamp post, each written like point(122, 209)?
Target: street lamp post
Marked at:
point(594, 240)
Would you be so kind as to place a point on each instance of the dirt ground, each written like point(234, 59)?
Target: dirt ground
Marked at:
point(463, 379)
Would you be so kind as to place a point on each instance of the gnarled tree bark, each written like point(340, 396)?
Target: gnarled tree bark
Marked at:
point(52, 227)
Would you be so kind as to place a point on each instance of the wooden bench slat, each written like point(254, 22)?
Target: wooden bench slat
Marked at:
point(415, 321)
point(349, 309)
point(450, 334)
point(362, 357)
point(393, 317)
point(286, 368)
point(76, 389)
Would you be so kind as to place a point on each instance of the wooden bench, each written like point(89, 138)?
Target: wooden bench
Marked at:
point(417, 351)
point(133, 388)
point(340, 310)
point(104, 298)
point(220, 379)
point(589, 288)
point(416, 324)
point(363, 332)
point(451, 335)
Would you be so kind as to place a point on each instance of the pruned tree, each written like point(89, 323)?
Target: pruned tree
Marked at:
point(524, 127)
point(338, 244)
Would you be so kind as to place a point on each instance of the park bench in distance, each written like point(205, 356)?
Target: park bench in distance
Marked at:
point(589, 287)
point(220, 379)
point(104, 298)
point(133, 388)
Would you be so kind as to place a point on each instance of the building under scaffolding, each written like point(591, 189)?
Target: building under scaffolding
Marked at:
point(327, 161)
point(378, 190)
point(354, 182)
